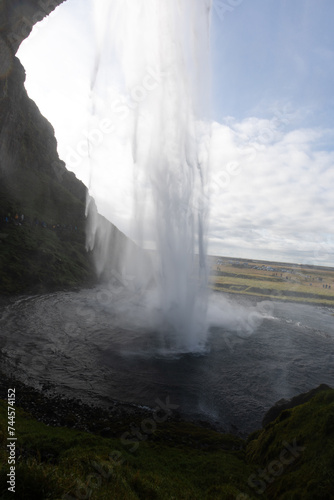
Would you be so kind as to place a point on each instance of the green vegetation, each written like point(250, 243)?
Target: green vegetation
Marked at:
point(311, 427)
point(310, 284)
point(181, 461)
point(291, 458)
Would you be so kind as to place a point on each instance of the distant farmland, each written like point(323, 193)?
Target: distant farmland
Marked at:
point(279, 281)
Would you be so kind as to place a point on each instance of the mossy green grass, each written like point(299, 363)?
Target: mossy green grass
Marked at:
point(291, 458)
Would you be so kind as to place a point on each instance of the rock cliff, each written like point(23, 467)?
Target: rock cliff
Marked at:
point(42, 205)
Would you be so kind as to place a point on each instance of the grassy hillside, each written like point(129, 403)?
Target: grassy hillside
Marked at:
point(291, 458)
point(305, 471)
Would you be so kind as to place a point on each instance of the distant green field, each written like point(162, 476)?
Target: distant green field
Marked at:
point(281, 281)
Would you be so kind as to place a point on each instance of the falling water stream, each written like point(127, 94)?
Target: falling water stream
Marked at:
point(156, 56)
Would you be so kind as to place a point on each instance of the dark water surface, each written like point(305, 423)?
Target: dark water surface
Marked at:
point(99, 346)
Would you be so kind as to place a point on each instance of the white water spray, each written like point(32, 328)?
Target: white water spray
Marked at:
point(152, 70)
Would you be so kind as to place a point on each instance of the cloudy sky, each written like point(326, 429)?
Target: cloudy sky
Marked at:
point(272, 147)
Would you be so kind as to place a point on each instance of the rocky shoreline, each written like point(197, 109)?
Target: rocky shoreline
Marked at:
point(56, 410)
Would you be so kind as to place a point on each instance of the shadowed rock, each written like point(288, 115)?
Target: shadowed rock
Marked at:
point(287, 404)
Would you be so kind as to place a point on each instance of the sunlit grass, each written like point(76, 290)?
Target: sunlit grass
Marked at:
point(299, 285)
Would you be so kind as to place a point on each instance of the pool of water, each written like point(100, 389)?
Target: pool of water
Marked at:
point(100, 345)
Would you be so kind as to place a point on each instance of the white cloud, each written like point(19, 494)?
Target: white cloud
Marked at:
point(271, 186)
point(279, 193)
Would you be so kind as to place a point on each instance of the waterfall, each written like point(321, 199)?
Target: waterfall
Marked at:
point(152, 70)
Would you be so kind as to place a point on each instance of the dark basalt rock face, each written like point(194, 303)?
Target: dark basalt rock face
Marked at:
point(27, 140)
point(21, 125)
point(46, 249)
point(17, 18)
point(34, 182)
point(28, 147)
